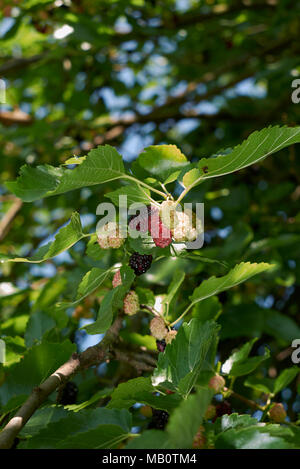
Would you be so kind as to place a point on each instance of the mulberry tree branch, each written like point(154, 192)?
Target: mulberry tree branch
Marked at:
point(91, 356)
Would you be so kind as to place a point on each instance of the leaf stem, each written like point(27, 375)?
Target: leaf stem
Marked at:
point(137, 181)
point(169, 195)
point(186, 190)
point(182, 315)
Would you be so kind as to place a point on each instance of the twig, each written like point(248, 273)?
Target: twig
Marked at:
point(141, 361)
point(91, 356)
point(8, 218)
point(249, 402)
point(15, 117)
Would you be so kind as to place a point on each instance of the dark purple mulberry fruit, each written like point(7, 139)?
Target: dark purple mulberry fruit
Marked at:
point(161, 345)
point(69, 394)
point(222, 409)
point(159, 419)
point(140, 263)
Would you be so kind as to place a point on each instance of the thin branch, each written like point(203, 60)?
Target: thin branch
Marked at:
point(92, 356)
point(140, 361)
point(15, 117)
point(9, 217)
point(15, 64)
point(249, 402)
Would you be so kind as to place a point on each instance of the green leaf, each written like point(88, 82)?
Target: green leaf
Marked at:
point(227, 422)
point(265, 385)
point(35, 183)
point(15, 326)
point(66, 237)
point(135, 194)
point(141, 390)
point(214, 285)
point(94, 428)
point(90, 282)
point(255, 437)
point(150, 439)
point(49, 293)
point(38, 363)
point(14, 350)
point(273, 386)
point(190, 177)
point(94, 251)
point(181, 363)
point(285, 378)
point(93, 400)
point(258, 146)
point(102, 164)
point(135, 338)
point(187, 417)
point(249, 365)
point(39, 323)
point(280, 326)
point(146, 296)
point(161, 161)
point(174, 286)
point(42, 417)
point(238, 364)
point(208, 309)
point(112, 301)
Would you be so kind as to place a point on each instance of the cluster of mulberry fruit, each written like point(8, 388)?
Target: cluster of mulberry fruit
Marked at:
point(153, 224)
point(140, 263)
point(162, 335)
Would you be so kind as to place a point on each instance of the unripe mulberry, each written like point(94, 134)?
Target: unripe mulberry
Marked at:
point(170, 336)
point(141, 222)
point(210, 412)
point(117, 279)
point(158, 328)
point(216, 383)
point(161, 235)
point(131, 303)
point(277, 413)
point(146, 411)
point(185, 228)
point(109, 236)
point(168, 213)
point(199, 439)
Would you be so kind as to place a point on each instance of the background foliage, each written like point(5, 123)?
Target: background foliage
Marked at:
point(201, 75)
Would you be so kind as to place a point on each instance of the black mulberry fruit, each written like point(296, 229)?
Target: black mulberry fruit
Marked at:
point(159, 419)
point(69, 394)
point(140, 263)
point(222, 409)
point(161, 345)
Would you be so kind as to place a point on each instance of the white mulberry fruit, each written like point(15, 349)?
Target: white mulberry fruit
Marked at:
point(109, 236)
point(131, 303)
